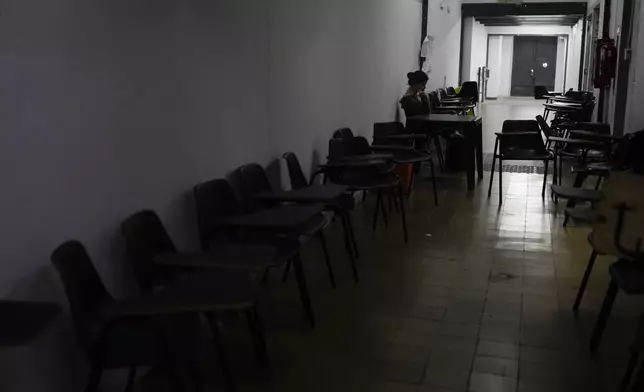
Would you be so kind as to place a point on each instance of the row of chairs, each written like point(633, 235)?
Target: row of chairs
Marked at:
point(246, 229)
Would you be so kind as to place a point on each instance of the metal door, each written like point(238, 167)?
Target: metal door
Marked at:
point(534, 64)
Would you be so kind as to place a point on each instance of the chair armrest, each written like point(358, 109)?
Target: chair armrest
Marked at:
point(500, 134)
point(383, 147)
point(580, 142)
point(202, 292)
point(401, 136)
point(242, 256)
point(374, 163)
point(368, 157)
point(595, 135)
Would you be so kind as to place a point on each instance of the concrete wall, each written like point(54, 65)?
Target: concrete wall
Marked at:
point(574, 57)
point(444, 23)
point(109, 107)
point(562, 57)
point(634, 113)
point(474, 49)
point(466, 49)
point(494, 62)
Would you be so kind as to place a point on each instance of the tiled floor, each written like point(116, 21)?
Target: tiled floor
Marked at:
point(479, 300)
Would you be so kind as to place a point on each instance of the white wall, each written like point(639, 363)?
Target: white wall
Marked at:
point(494, 62)
point(507, 54)
point(474, 49)
point(466, 50)
point(634, 113)
point(560, 74)
point(108, 107)
point(500, 55)
point(444, 23)
point(574, 57)
point(479, 49)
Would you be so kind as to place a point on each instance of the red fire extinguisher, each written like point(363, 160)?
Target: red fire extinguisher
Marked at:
point(605, 66)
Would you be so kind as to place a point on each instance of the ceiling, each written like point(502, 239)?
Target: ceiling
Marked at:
point(528, 20)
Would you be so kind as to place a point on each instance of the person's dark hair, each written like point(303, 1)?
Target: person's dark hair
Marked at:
point(417, 77)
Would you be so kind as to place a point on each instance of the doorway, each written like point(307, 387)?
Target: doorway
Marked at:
point(533, 64)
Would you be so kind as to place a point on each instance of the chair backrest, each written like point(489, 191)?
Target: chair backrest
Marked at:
point(343, 133)
point(253, 181)
point(145, 238)
point(470, 90)
point(433, 100)
point(295, 172)
point(214, 200)
point(539, 92)
point(340, 148)
point(85, 290)
point(442, 93)
point(451, 91)
point(522, 142)
point(388, 128)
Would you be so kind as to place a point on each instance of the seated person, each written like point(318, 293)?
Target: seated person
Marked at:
point(415, 102)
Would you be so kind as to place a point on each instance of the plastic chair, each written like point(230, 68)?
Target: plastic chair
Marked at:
point(403, 149)
point(132, 339)
point(364, 175)
point(215, 202)
point(520, 140)
point(146, 240)
point(254, 181)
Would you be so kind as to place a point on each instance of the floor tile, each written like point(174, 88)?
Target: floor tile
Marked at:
point(491, 383)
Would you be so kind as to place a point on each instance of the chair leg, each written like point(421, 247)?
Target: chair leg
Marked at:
point(195, 374)
point(256, 330)
point(353, 236)
point(287, 269)
point(489, 189)
point(598, 183)
point(364, 196)
point(375, 213)
point(439, 152)
point(94, 377)
point(566, 218)
point(327, 259)
point(561, 169)
point(221, 351)
point(431, 166)
point(348, 246)
point(630, 369)
point(584, 280)
point(402, 212)
point(384, 210)
point(500, 181)
point(602, 319)
point(554, 171)
point(130, 379)
point(304, 291)
point(545, 178)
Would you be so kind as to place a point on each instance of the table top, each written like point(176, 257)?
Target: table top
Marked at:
point(227, 255)
point(447, 118)
point(564, 105)
point(367, 157)
point(456, 107)
point(21, 322)
point(314, 193)
point(290, 217)
point(194, 292)
point(564, 99)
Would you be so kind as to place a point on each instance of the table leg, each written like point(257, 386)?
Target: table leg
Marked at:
point(479, 149)
point(470, 158)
